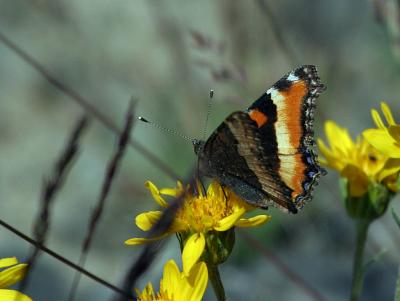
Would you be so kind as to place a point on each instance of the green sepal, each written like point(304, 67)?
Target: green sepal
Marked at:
point(219, 246)
point(398, 182)
point(182, 237)
point(369, 206)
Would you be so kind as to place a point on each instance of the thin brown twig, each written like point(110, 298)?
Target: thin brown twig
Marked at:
point(277, 262)
point(105, 188)
point(50, 189)
point(86, 105)
point(64, 260)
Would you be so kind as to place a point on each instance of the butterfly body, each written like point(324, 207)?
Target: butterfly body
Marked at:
point(265, 153)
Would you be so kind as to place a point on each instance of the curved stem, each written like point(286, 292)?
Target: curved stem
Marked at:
point(358, 261)
point(216, 282)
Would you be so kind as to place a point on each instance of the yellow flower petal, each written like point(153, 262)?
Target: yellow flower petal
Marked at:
point(323, 148)
point(383, 141)
point(155, 193)
point(174, 192)
point(358, 180)
point(387, 113)
point(394, 131)
point(169, 284)
point(391, 167)
point(12, 295)
point(228, 222)
point(338, 137)
point(377, 119)
point(215, 190)
point(141, 240)
point(6, 262)
point(12, 275)
point(253, 221)
point(192, 251)
point(147, 294)
point(198, 279)
point(145, 221)
point(341, 146)
point(331, 159)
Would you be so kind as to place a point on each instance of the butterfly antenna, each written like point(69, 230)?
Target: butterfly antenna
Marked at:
point(160, 127)
point(208, 114)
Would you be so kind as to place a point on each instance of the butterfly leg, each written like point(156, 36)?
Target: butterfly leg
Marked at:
point(199, 186)
point(224, 192)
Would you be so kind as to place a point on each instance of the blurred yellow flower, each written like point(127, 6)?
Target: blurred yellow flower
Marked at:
point(385, 138)
point(178, 286)
point(359, 161)
point(14, 273)
point(219, 210)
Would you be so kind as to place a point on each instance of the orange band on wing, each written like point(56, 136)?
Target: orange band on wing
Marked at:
point(289, 116)
point(258, 117)
point(299, 177)
point(294, 97)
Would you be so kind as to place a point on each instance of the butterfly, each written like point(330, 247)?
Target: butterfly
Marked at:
point(265, 153)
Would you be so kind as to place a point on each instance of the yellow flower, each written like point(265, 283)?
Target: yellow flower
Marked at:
point(10, 276)
point(385, 138)
point(178, 286)
point(358, 161)
point(219, 210)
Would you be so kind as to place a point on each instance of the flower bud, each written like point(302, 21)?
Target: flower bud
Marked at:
point(370, 205)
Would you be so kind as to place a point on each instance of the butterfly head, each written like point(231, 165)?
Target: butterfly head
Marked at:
point(203, 164)
point(198, 146)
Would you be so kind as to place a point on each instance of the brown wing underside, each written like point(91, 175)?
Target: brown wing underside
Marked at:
point(238, 159)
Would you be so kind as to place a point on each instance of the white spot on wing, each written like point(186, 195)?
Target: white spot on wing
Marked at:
point(274, 93)
point(292, 77)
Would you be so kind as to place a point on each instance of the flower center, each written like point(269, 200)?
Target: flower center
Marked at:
point(203, 212)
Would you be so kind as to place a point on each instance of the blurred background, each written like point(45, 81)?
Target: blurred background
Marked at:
point(168, 55)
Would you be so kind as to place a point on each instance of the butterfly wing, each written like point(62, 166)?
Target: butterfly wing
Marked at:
point(289, 107)
point(265, 154)
point(235, 157)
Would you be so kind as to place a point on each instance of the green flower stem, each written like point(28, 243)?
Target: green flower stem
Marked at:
point(216, 282)
point(358, 263)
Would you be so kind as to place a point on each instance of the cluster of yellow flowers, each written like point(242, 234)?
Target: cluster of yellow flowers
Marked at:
point(369, 164)
point(373, 157)
point(178, 286)
point(198, 224)
point(369, 168)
